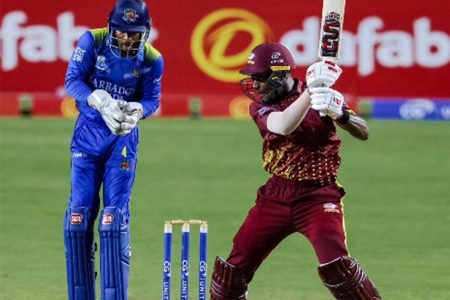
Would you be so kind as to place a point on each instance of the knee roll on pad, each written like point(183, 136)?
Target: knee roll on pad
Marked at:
point(80, 254)
point(347, 281)
point(114, 254)
point(228, 283)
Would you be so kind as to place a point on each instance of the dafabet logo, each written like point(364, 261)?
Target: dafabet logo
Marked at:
point(217, 45)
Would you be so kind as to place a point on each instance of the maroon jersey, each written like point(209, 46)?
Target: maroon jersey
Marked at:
point(309, 153)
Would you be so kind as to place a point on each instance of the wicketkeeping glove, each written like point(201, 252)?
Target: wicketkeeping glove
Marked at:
point(133, 113)
point(327, 101)
point(322, 73)
point(109, 108)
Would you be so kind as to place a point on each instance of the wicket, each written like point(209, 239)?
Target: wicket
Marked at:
point(185, 245)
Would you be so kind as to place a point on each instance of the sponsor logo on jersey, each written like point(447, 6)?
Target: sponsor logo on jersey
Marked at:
point(101, 63)
point(331, 207)
point(136, 73)
point(78, 155)
point(262, 110)
point(76, 219)
point(157, 80)
point(108, 219)
point(125, 165)
point(116, 91)
point(130, 15)
point(78, 54)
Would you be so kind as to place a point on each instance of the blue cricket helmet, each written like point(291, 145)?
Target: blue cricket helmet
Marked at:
point(129, 16)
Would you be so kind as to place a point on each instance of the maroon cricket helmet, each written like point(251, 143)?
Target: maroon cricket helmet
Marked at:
point(268, 57)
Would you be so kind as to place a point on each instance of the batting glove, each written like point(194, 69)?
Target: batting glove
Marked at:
point(109, 108)
point(322, 73)
point(327, 101)
point(133, 113)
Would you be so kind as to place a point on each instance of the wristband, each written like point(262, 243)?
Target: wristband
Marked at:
point(344, 118)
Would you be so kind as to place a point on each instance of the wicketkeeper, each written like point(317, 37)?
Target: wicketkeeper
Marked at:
point(300, 150)
point(115, 77)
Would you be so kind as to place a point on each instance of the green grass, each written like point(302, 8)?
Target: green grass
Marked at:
point(397, 206)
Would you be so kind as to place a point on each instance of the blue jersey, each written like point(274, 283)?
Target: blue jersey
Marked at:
point(94, 66)
point(99, 156)
point(102, 158)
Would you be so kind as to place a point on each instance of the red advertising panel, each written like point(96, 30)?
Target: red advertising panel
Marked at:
point(389, 48)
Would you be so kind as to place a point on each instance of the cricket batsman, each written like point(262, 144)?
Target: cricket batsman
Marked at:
point(115, 77)
point(297, 122)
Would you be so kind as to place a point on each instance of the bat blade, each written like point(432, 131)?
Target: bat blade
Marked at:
point(331, 29)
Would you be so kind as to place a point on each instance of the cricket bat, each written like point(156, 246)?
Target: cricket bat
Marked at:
point(331, 30)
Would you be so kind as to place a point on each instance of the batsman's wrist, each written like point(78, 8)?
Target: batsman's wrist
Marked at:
point(344, 118)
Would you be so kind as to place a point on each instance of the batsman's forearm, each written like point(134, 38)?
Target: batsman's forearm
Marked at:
point(285, 122)
point(357, 127)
